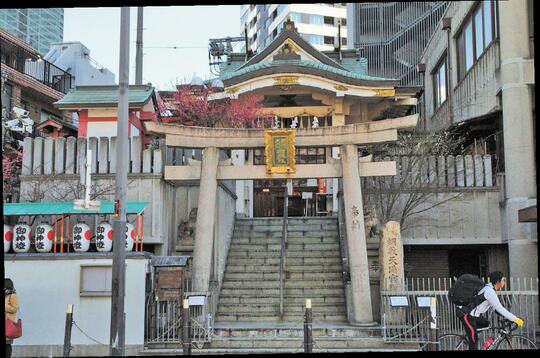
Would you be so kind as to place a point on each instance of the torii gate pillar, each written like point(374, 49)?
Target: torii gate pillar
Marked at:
point(356, 237)
point(206, 216)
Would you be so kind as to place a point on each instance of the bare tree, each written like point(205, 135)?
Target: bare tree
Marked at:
point(413, 190)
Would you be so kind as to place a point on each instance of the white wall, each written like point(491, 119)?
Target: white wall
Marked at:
point(107, 129)
point(46, 285)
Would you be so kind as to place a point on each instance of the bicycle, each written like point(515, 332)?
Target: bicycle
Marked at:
point(504, 341)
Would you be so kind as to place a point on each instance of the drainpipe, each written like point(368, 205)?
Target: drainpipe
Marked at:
point(447, 26)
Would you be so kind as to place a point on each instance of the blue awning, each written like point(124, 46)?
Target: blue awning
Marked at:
point(63, 208)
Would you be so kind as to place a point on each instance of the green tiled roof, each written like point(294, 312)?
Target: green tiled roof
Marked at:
point(302, 63)
point(103, 95)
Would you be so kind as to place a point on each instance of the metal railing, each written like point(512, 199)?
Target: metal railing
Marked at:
point(32, 65)
point(282, 250)
point(164, 320)
point(406, 318)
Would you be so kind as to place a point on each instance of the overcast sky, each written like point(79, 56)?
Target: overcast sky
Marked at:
point(188, 26)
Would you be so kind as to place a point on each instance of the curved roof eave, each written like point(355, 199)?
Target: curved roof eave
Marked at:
point(354, 81)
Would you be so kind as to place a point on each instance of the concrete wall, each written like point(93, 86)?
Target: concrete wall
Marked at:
point(46, 285)
point(464, 217)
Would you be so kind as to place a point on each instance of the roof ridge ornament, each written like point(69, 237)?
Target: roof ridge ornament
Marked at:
point(288, 25)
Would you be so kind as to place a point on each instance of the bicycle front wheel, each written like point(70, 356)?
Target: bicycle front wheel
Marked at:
point(511, 342)
point(452, 342)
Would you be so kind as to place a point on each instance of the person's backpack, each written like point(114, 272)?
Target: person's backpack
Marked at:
point(465, 290)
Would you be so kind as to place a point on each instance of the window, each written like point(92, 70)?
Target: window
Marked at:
point(343, 22)
point(477, 34)
point(328, 40)
point(316, 39)
point(274, 33)
point(296, 17)
point(95, 280)
point(316, 19)
point(343, 41)
point(328, 20)
point(440, 88)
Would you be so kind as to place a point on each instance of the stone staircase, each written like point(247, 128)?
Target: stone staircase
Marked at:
point(250, 291)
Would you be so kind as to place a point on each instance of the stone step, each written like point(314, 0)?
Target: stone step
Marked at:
point(275, 318)
point(289, 246)
point(278, 234)
point(257, 269)
point(292, 276)
point(291, 221)
point(275, 300)
point(297, 342)
point(288, 253)
point(256, 309)
point(290, 261)
point(299, 283)
point(290, 240)
point(288, 292)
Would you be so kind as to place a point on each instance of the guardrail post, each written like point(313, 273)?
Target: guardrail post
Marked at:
point(67, 331)
point(186, 336)
point(308, 333)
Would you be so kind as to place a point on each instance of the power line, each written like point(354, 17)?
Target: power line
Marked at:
point(175, 47)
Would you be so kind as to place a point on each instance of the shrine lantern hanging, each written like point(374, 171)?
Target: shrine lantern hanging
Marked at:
point(8, 236)
point(81, 237)
point(22, 236)
point(104, 237)
point(130, 237)
point(43, 240)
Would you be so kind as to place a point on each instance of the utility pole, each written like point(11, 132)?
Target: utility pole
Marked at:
point(139, 47)
point(117, 338)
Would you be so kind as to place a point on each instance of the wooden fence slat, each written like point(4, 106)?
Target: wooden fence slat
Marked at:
point(112, 155)
point(37, 163)
point(147, 160)
point(158, 161)
point(441, 173)
point(460, 171)
point(103, 155)
point(48, 155)
point(81, 154)
point(469, 170)
point(71, 149)
point(478, 170)
point(488, 175)
point(59, 155)
point(136, 154)
point(28, 156)
point(93, 146)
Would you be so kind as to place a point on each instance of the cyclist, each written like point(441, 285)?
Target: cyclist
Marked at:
point(471, 319)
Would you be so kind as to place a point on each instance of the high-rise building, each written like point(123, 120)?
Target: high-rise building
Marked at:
point(393, 35)
point(316, 23)
point(37, 27)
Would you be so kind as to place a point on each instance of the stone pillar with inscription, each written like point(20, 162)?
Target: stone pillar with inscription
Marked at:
point(356, 237)
point(206, 215)
point(391, 257)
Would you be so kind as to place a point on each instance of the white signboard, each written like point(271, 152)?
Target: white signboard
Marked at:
point(399, 301)
point(424, 301)
point(196, 300)
point(312, 182)
point(307, 195)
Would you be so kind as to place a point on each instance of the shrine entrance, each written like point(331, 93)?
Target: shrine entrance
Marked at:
point(282, 146)
point(309, 197)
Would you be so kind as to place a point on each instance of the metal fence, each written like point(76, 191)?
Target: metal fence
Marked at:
point(163, 319)
point(405, 309)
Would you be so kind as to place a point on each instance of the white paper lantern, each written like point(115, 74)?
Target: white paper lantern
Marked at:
point(130, 237)
point(21, 238)
point(43, 240)
point(104, 237)
point(8, 237)
point(81, 237)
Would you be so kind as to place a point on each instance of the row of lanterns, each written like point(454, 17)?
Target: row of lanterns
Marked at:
point(20, 235)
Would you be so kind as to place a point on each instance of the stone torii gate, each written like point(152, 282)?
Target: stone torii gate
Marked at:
point(349, 167)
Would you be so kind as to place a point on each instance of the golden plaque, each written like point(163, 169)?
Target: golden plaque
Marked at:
point(280, 151)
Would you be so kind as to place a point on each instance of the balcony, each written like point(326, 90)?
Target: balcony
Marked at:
point(31, 64)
